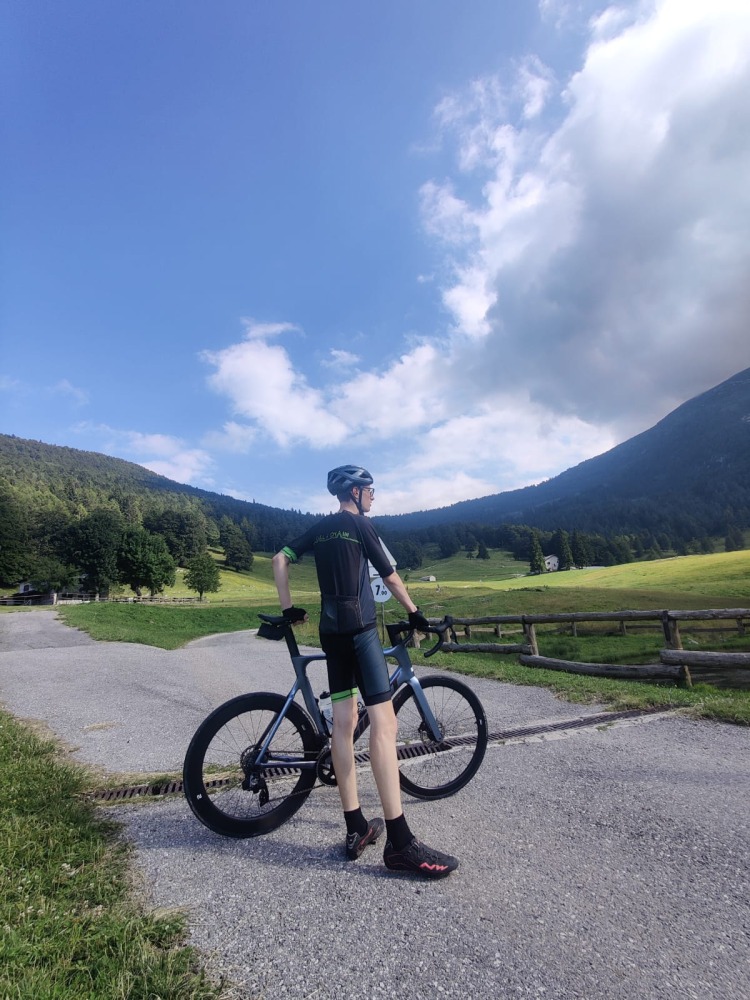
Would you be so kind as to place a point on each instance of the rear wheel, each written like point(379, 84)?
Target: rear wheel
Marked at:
point(228, 790)
point(430, 769)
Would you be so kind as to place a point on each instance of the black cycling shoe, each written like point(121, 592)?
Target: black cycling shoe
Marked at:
point(418, 858)
point(357, 842)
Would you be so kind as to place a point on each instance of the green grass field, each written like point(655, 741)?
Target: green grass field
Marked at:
point(690, 582)
point(71, 925)
point(724, 576)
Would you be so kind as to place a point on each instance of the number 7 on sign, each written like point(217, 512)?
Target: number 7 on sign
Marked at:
point(379, 590)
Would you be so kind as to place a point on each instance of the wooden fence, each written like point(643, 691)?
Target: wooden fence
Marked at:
point(674, 662)
point(36, 600)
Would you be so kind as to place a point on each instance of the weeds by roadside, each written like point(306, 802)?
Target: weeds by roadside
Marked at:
point(71, 927)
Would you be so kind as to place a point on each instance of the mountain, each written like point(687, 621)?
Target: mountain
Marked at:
point(686, 477)
point(53, 485)
point(690, 471)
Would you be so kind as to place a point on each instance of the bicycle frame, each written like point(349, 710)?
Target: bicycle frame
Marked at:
point(403, 674)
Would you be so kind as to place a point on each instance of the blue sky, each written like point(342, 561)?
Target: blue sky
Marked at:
point(467, 245)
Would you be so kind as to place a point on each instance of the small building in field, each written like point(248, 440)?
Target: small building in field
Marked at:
point(428, 579)
point(551, 564)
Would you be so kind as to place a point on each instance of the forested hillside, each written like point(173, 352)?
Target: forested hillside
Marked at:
point(47, 491)
point(687, 477)
point(682, 486)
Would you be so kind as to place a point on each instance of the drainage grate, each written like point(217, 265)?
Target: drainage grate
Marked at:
point(585, 722)
point(409, 752)
point(134, 791)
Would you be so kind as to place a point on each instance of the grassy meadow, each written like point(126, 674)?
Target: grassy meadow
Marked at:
point(469, 588)
point(73, 927)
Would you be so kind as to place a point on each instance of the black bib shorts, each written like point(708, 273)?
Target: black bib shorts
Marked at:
point(357, 661)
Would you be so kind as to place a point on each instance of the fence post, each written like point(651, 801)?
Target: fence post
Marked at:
point(529, 632)
point(665, 627)
point(676, 639)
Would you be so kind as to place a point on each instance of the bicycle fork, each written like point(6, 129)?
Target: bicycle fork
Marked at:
point(431, 728)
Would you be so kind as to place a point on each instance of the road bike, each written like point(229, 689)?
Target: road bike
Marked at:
point(254, 760)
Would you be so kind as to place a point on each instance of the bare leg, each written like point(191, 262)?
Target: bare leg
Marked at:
point(383, 758)
point(342, 752)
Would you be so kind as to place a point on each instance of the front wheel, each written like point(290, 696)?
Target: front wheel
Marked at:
point(433, 770)
point(228, 788)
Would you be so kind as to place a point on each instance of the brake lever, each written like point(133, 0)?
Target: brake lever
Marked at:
point(445, 626)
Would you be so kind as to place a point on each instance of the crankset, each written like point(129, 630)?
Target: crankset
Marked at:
point(324, 767)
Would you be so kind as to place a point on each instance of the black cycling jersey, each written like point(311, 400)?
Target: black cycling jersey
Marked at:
point(342, 544)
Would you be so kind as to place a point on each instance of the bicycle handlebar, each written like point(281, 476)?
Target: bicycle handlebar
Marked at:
point(446, 625)
point(395, 630)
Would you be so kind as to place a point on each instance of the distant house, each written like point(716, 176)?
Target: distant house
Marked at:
point(551, 564)
point(28, 595)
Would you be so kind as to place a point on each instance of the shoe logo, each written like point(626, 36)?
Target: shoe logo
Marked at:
point(433, 868)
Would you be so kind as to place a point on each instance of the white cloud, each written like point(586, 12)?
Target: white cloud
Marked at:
point(445, 215)
point(233, 437)
point(478, 453)
point(189, 465)
point(340, 360)
point(606, 238)
point(594, 235)
point(262, 331)
point(470, 300)
point(161, 453)
point(412, 393)
point(65, 388)
point(263, 386)
point(535, 82)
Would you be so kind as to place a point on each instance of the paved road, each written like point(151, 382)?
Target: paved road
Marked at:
point(610, 864)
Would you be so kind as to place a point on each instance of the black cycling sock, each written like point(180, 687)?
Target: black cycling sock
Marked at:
point(398, 832)
point(355, 821)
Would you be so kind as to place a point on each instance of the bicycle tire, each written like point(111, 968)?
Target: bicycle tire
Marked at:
point(435, 770)
point(219, 760)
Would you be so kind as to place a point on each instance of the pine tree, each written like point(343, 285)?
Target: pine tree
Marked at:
point(561, 547)
point(537, 565)
point(580, 550)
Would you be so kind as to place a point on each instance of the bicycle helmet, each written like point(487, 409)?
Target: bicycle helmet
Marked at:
point(342, 479)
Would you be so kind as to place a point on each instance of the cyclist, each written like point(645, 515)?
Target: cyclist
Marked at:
point(342, 543)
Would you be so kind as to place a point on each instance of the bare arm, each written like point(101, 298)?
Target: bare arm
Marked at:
point(397, 587)
point(280, 563)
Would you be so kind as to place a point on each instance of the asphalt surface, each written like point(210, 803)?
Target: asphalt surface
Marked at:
point(609, 863)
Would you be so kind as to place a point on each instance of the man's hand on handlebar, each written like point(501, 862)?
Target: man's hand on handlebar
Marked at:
point(295, 615)
point(418, 621)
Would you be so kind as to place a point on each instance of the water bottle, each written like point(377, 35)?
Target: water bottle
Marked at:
point(326, 710)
